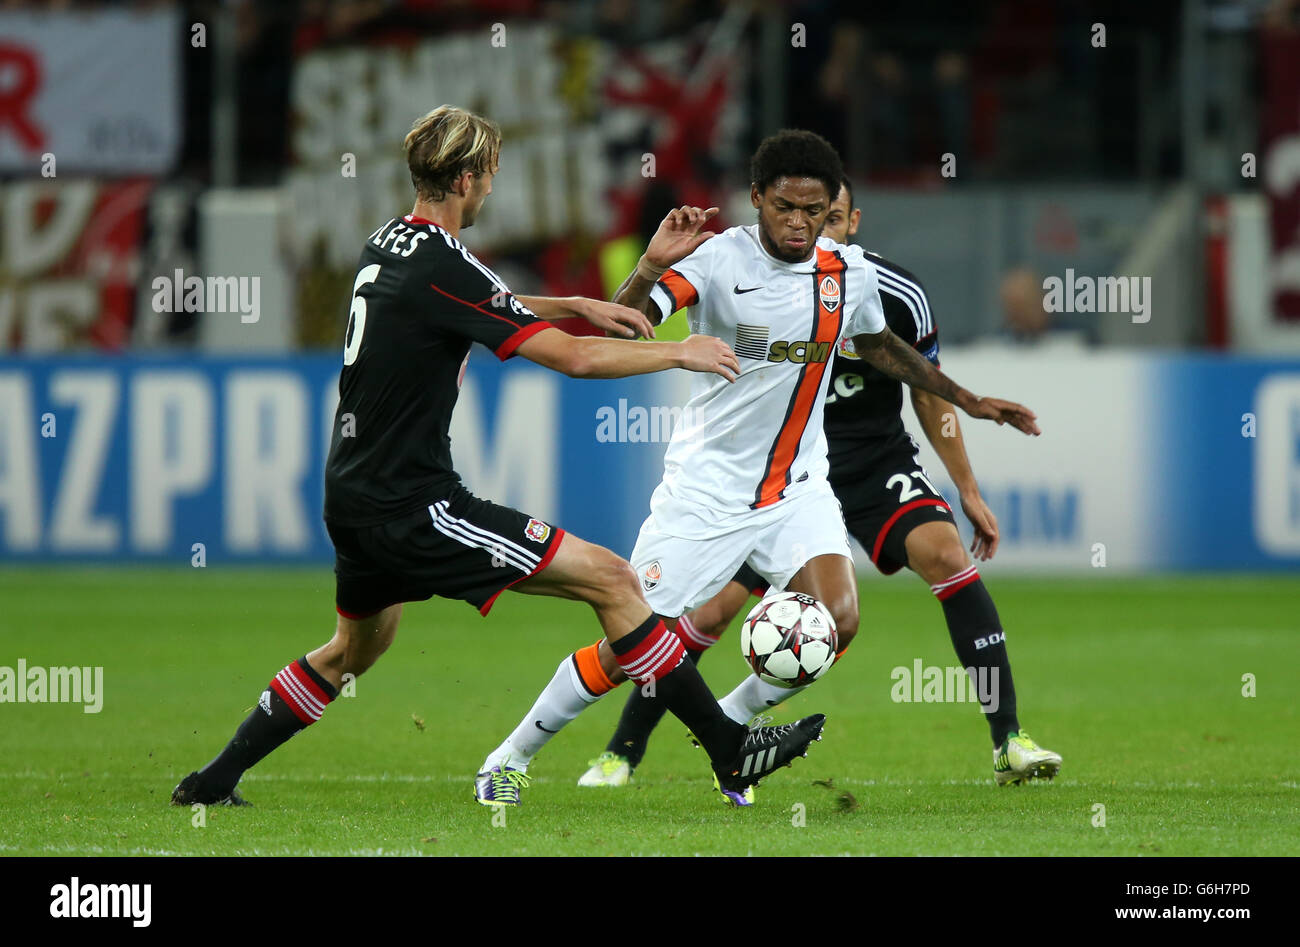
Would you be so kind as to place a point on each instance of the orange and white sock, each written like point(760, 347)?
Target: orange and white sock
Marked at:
point(578, 682)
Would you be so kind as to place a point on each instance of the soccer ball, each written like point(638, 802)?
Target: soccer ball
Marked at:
point(789, 639)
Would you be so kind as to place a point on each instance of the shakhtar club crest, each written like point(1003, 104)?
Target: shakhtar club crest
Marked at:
point(830, 293)
point(650, 578)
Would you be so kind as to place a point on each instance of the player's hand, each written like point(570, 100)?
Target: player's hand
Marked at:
point(678, 235)
point(622, 322)
point(1005, 412)
point(985, 543)
point(707, 353)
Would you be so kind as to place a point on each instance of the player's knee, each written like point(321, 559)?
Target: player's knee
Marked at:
point(942, 561)
point(363, 658)
point(709, 620)
point(353, 651)
point(844, 610)
point(612, 580)
point(330, 658)
point(342, 656)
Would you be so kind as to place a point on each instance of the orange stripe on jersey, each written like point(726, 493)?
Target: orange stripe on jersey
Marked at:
point(680, 288)
point(826, 329)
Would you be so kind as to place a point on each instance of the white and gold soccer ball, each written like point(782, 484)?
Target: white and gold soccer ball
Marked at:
point(789, 639)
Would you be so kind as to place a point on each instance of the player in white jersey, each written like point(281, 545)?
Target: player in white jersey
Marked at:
point(892, 509)
point(745, 480)
point(783, 298)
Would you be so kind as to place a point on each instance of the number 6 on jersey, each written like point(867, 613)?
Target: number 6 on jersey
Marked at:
point(357, 314)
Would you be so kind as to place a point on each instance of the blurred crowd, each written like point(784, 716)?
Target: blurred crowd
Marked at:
point(1014, 87)
point(1014, 91)
point(1011, 85)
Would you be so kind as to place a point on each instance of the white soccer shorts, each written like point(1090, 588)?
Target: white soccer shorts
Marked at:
point(686, 552)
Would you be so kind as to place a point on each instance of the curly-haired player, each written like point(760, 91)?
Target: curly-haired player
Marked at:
point(745, 476)
point(894, 511)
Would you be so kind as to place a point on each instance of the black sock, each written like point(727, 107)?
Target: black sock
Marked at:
point(640, 716)
point(273, 721)
point(653, 655)
point(978, 639)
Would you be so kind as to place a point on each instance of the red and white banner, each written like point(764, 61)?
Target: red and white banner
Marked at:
point(69, 259)
point(599, 143)
point(98, 91)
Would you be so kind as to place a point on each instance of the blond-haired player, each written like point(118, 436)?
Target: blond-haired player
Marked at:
point(403, 525)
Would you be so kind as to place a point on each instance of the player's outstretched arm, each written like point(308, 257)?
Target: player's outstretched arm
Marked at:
point(939, 422)
point(938, 419)
point(677, 237)
point(592, 357)
point(617, 320)
point(895, 358)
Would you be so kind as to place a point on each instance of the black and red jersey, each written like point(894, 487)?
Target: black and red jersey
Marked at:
point(419, 301)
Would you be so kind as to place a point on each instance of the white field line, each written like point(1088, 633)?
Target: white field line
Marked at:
point(885, 782)
point(273, 777)
point(69, 849)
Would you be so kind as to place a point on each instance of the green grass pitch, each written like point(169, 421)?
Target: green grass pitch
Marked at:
point(1137, 682)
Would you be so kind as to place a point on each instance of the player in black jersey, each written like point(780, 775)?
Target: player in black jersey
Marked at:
point(403, 526)
point(892, 509)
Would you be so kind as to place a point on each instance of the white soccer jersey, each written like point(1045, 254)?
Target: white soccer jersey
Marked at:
point(749, 444)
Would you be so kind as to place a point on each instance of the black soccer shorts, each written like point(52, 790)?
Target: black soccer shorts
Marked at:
point(888, 501)
point(460, 547)
point(880, 507)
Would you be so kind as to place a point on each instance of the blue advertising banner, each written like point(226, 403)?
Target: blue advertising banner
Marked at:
point(1145, 463)
point(1226, 453)
point(140, 459)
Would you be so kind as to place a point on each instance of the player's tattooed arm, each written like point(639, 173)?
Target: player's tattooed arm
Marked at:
point(678, 235)
point(895, 358)
point(635, 294)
